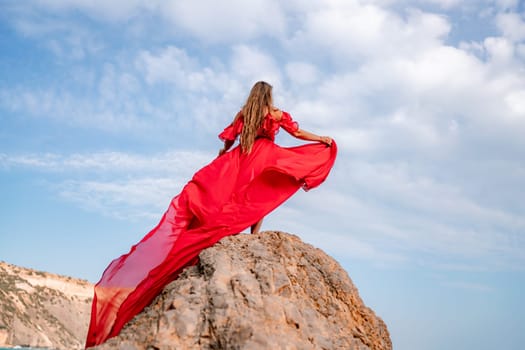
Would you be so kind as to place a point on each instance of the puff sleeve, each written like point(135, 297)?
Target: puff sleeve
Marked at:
point(231, 131)
point(288, 124)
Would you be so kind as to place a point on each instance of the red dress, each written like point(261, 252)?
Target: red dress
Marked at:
point(225, 197)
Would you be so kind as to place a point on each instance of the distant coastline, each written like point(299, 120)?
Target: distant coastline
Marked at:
point(41, 310)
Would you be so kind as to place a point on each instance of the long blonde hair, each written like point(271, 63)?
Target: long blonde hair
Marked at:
point(253, 113)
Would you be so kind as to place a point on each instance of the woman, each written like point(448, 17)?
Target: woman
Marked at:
point(259, 119)
point(233, 192)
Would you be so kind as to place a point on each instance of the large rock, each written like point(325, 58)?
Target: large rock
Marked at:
point(43, 310)
point(265, 291)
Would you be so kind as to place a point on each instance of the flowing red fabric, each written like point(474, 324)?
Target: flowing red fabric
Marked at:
point(225, 197)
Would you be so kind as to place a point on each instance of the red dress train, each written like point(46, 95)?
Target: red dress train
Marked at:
point(225, 197)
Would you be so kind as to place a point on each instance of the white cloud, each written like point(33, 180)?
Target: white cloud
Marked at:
point(511, 25)
point(397, 211)
point(116, 10)
point(302, 73)
point(507, 4)
point(177, 162)
point(67, 108)
point(251, 64)
point(175, 66)
point(353, 32)
point(516, 103)
point(447, 4)
point(230, 22)
point(122, 185)
point(130, 199)
point(211, 94)
point(357, 140)
point(65, 38)
point(500, 50)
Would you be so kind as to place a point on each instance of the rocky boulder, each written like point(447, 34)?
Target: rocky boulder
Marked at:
point(264, 291)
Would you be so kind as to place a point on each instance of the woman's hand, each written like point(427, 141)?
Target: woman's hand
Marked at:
point(227, 146)
point(326, 139)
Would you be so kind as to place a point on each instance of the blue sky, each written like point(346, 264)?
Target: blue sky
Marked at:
point(108, 108)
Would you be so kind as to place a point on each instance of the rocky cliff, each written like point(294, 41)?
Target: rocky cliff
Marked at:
point(40, 309)
point(265, 291)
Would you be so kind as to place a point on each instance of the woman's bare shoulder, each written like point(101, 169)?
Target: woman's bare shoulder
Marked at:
point(276, 113)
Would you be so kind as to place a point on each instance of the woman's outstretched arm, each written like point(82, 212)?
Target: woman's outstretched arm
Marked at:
point(297, 132)
point(308, 136)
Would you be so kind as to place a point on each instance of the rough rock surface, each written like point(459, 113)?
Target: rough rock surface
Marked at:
point(43, 310)
point(265, 291)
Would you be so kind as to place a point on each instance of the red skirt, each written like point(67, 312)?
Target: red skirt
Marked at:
point(225, 197)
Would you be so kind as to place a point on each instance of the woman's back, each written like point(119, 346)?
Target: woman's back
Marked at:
point(269, 127)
